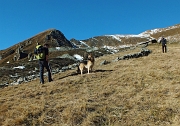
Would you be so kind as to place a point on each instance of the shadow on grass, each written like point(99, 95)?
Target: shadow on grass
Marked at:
point(78, 73)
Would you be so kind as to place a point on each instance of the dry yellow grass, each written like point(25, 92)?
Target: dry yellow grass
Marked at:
point(137, 92)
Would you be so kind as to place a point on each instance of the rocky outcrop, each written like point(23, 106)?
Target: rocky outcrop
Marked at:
point(30, 56)
point(19, 54)
point(77, 43)
point(58, 38)
point(143, 52)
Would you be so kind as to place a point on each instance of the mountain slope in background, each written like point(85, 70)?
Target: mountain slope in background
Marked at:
point(62, 51)
point(57, 39)
point(171, 33)
point(26, 48)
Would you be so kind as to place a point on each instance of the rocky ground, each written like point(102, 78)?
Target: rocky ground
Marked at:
point(60, 61)
point(135, 91)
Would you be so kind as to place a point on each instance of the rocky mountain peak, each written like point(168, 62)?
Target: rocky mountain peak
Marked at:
point(57, 38)
point(25, 49)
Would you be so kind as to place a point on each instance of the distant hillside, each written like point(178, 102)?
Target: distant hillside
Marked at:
point(25, 49)
point(171, 33)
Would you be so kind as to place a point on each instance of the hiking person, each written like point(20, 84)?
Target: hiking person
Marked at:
point(163, 41)
point(41, 53)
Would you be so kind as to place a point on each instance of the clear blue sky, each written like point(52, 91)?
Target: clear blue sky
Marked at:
point(83, 19)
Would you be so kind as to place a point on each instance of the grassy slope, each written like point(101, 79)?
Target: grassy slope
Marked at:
point(143, 91)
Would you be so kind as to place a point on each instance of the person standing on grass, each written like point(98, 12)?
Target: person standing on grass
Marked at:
point(42, 53)
point(163, 41)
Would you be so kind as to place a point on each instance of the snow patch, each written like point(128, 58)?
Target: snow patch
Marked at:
point(118, 37)
point(19, 67)
point(84, 43)
point(58, 48)
point(78, 57)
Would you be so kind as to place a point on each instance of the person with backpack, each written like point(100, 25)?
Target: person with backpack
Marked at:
point(41, 53)
point(163, 41)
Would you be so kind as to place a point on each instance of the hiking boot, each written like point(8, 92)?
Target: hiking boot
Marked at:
point(50, 80)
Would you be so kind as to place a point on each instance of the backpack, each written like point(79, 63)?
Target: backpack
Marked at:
point(39, 52)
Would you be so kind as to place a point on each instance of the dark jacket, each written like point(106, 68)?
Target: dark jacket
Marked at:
point(163, 41)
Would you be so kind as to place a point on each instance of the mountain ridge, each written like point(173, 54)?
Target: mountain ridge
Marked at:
point(22, 53)
point(171, 33)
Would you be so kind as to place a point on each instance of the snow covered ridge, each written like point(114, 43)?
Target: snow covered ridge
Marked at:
point(83, 43)
point(118, 37)
point(145, 34)
point(154, 31)
point(172, 27)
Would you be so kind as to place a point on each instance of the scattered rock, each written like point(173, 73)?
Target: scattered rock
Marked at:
point(67, 62)
point(104, 62)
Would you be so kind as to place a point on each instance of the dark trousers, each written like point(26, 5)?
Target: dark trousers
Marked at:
point(44, 64)
point(164, 48)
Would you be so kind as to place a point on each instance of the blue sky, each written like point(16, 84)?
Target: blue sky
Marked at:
point(83, 19)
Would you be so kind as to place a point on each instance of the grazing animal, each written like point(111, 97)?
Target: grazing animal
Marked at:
point(87, 65)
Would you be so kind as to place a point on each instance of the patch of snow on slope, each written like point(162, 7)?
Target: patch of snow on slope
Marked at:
point(109, 47)
point(117, 47)
point(173, 27)
point(150, 32)
point(83, 43)
point(78, 57)
point(19, 67)
point(58, 48)
point(118, 37)
point(113, 49)
point(154, 31)
point(94, 39)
